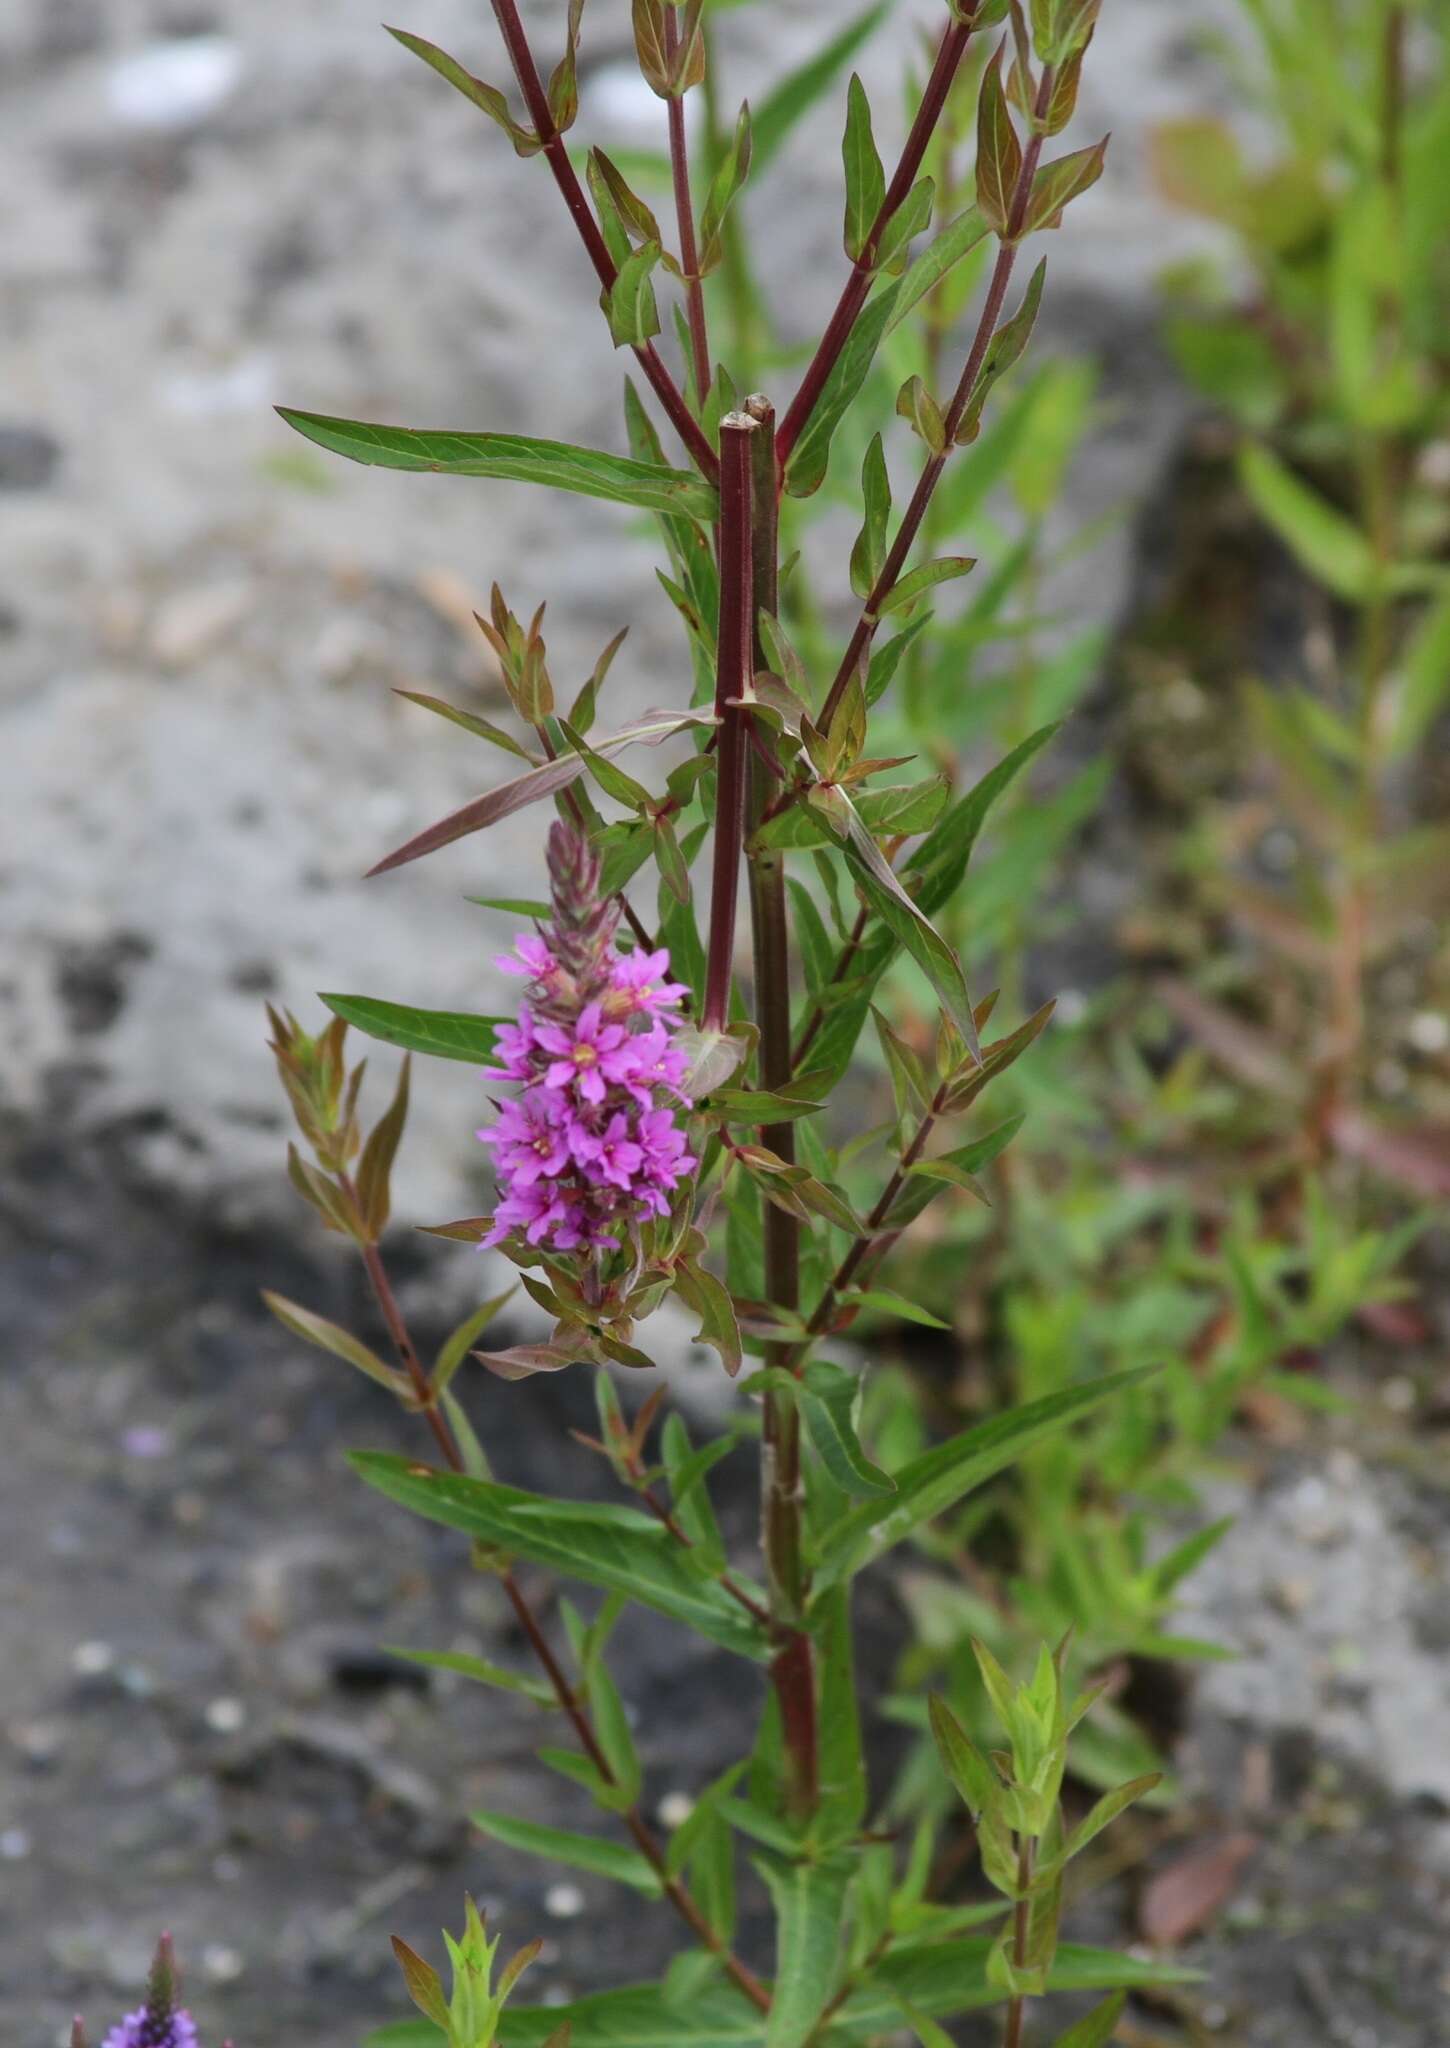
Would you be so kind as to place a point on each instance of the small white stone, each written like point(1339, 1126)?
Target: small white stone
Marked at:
point(174, 83)
point(1071, 1007)
point(225, 1716)
point(675, 1809)
point(563, 1901)
point(14, 1845)
point(92, 1660)
point(1399, 1395)
point(1429, 1031)
point(222, 1965)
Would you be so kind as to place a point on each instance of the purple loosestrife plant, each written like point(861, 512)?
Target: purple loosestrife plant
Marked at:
point(664, 1123)
point(161, 2021)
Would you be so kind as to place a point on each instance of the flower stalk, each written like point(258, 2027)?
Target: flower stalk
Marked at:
point(732, 685)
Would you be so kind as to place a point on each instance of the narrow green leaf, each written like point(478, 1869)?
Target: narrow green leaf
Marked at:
point(912, 586)
point(446, 1034)
point(942, 255)
point(487, 98)
point(375, 1170)
point(910, 219)
point(1096, 2028)
point(869, 554)
point(456, 1347)
point(1006, 347)
point(806, 470)
point(590, 471)
point(710, 1299)
point(1329, 545)
point(844, 1791)
point(479, 727)
point(614, 1547)
point(634, 316)
point(938, 1479)
point(865, 176)
point(332, 1337)
point(1058, 184)
point(580, 1852)
point(890, 1304)
point(480, 1670)
point(829, 1400)
point(809, 1901)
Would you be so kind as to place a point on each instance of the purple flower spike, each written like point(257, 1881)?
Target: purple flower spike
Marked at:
point(591, 1147)
point(160, 2022)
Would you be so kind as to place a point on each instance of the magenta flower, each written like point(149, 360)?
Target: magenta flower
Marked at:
point(532, 1138)
point(530, 957)
point(641, 976)
point(590, 1149)
point(588, 1054)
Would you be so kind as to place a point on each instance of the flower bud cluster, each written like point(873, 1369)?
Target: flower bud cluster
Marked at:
point(591, 1146)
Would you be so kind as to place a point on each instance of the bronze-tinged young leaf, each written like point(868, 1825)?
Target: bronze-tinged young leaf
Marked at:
point(915, 404)
point(999, 153)
point(374, 1177)
point(479, 727)
point(1058, 184)
point(523, 1361)
point(649, 43)
point(564, 84)
point(424, 1985)
point(327, 1199)
point(710, 1300)
point(486, 97)
point(327, 1336)
point(633, 313)
point(1006, 346)
point(537, 784)
point(589, 471)
point(730, 176)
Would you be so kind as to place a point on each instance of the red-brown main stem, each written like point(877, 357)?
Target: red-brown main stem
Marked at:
point(732, 679)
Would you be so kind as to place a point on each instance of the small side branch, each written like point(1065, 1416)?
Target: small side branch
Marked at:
point(670, 396)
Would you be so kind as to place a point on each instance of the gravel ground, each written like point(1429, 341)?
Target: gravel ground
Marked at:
point(204, 210)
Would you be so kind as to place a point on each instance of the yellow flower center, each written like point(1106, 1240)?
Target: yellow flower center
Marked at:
point(583, 1055)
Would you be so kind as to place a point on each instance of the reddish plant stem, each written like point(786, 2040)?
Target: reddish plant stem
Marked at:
point(670, 396)
point(930, 477)
point(639, 1828)
point(781, 1502)
point(950, 52)
point(1021, 1928)
point(685, 215)
point(732, 679)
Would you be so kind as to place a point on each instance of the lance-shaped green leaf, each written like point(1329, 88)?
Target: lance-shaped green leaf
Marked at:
point(332, 1337)
point(730, 175)
point(806, 470)
point(844, 1791)
point(486, 97)
point(446, 1034)
point(865, 177)
point(999, 153)
point(887, 1303)
point(564, 84)
point(946, 569)
point(908, 923)
point(958, 1168)
point(829, 1400)
point(809, 1901)
point(375, 1170)
point(634, 316)
point(531, 788)
point(580, 1852)
point(915, 404)
point(1006, 346)
point(480, 1671)
point(975, 1779)
point(590, 471)
point(942, 255)
point(910, 219)
point(786, 103)
point(1329, 545)
point(868, 557)
point(470, 722)
point(616, 1548)
point(710, 1300)
point(937, 1480)
point(944, 1978)
point(1095, 2029)
point(1058, 184)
